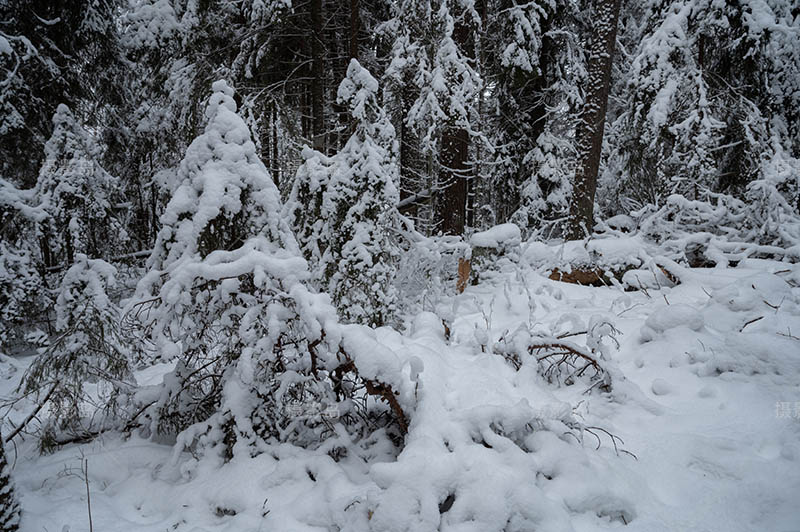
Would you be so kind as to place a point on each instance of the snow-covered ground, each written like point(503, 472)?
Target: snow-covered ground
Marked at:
point(705, 398)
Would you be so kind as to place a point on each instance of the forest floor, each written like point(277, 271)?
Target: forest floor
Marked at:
point(706, 396)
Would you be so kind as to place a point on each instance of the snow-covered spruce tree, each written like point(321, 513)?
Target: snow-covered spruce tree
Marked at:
point(343, 208)
point(304, 208)
point(432, 70)
point(78, 195)
point(53, 52)
point(225, 301)
point(161, 38)
point(408, 58)
point(709, 91)
point(359, 204)
point(24, 297)
point(9, 504)
point(533, 61)
point(773, 202)
point(84, 369)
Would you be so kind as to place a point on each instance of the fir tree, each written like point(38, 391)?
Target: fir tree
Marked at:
point(57, 52)
point(707, 94)
point(24, 295)
point(224, 299)
point(86, 349)
point(304, 208)
point(78, 195)
point(432, 68)
point(533, 60)
point(359, 207)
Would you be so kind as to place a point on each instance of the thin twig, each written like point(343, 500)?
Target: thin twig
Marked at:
point(88, 497)
point(751, 321)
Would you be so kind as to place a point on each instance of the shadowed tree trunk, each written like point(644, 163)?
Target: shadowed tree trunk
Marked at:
point(589, 135)
point(455, 170)
point(355, 26)
point(454, 174)
point(318, 74)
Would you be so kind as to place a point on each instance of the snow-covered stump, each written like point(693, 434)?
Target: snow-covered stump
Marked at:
point(492, 245)
point(570, 262)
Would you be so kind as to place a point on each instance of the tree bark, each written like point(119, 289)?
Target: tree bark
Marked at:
point(318, 75)
point(275, 170)
point(454, 168)
point(355, 27)
point(589, 135)
point(454, 172)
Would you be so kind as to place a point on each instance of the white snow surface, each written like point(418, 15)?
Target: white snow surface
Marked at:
point(497, 237)
point(709, 404)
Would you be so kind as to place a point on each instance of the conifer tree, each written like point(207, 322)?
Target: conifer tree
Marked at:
point(24, 295)
point(432, 69)
point(224, 298)
point(304, 208)
point(708, 95)
point(532, 57)
point(55, 52)
point(78, 195)
point(86, 349)
point(359, 206)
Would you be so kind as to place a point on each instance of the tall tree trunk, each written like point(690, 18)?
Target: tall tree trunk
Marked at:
point(455, 171)
point(589, 135)
point(318, 78)
point(276, 166)
point(408, 184)
point(355, 27)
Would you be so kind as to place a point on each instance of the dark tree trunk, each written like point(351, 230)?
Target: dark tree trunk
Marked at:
point(407, 183)
point(454, 158)
point(589, 135)
point(453, 175)
point(276, 166)
point(355, 26)
point(318, 78)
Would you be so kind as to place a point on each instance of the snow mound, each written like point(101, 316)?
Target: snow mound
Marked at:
point(621, 222)
point(646, 278)
point(617, 253)
point(759, 291)
point(498, 237)
point(759, 315)
point(661, 387)
point(671, 317)
point(492, 450)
